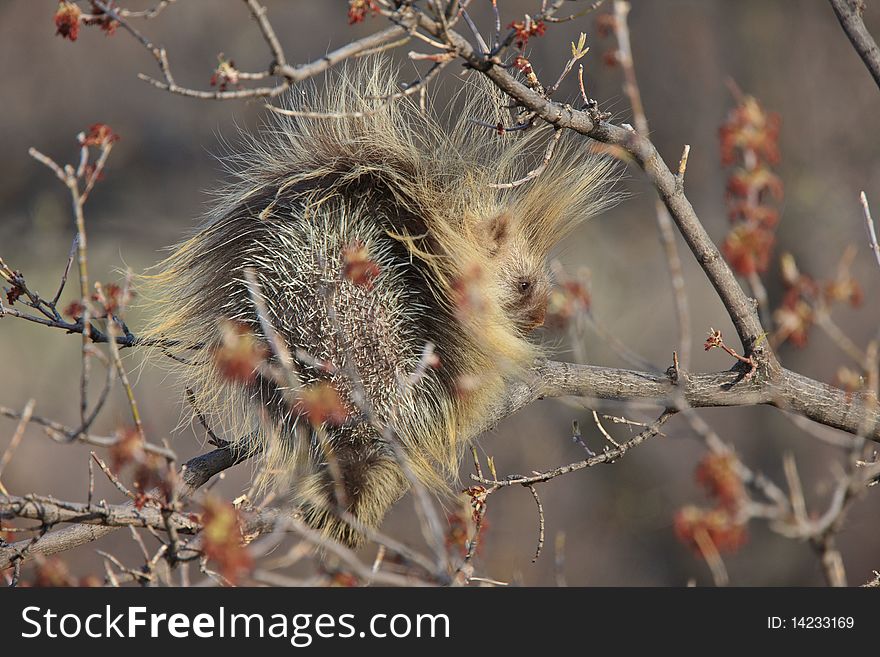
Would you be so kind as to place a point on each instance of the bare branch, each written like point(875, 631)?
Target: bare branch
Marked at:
point(16, 439)
point(849, 13)
point(872, 231)
point(51, 511)
point(787, 390)
point(664, 222)
point(195, 473)
point(609, 456)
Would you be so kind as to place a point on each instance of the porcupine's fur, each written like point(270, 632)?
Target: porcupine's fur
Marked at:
point(462, 266)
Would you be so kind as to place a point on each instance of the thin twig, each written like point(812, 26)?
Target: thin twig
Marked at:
point(16, 438)
point(664, 221)
point(609, 456)
point(113, 478)
point(534, 493)
point(872, 232)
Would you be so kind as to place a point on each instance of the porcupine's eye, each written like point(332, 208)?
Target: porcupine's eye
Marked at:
point(524, 286)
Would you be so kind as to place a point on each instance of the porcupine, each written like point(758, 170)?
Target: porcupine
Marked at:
point(460, 264)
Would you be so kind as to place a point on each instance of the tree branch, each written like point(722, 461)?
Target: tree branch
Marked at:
point(849, 13)
point(51, 511)
point(787, 390)
point(195, 473)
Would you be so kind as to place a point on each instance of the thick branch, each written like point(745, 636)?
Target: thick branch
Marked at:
point(851, 412)
point(51, 511)
point(849, 13)
point(195, 473)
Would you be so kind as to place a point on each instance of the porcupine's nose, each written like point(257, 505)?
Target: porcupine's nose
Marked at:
point(536, 317)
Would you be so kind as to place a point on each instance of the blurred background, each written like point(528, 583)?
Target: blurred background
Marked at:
point(617, 520)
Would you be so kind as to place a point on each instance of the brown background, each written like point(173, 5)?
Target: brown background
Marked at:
point(617, 519)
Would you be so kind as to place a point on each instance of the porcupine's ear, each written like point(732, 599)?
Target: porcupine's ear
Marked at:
point(493, 232)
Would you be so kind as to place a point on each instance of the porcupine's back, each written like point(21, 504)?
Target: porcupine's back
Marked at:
point(381, 176)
